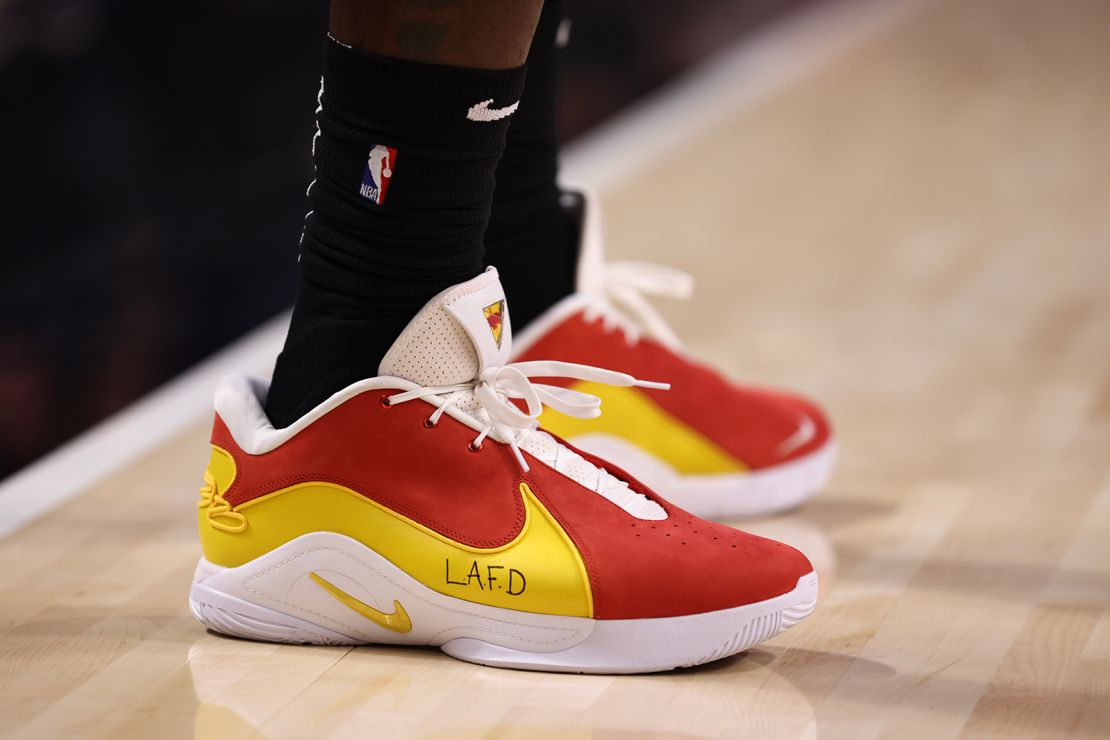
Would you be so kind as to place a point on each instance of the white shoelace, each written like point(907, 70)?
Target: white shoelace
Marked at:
point(496, 387)
point(624, 304)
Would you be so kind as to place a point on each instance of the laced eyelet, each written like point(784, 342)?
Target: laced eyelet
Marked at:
point(429, 424)
point(473, 447)
point(384, 400)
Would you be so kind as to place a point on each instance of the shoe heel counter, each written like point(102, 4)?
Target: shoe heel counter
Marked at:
point(216, 517)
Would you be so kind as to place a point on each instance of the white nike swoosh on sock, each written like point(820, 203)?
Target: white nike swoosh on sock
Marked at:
point(482, 111)
point(806, 431)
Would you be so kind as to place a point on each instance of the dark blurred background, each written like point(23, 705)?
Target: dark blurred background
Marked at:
point(154, 162)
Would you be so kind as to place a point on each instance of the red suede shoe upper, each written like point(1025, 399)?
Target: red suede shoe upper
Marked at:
point(748, 423)
point(388, 455)
point(680, 565)
point(637, 568)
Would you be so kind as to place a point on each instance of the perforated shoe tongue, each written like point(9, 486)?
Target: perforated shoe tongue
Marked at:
point(458, 333)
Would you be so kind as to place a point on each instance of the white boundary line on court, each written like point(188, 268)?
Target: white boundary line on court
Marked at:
point(131, 433)
point(750, 72)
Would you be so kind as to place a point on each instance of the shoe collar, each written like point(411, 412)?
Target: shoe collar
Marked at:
point(583, 205)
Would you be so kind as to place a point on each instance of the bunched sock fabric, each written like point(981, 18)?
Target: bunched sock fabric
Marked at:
point(531, 240)
point(405, 157)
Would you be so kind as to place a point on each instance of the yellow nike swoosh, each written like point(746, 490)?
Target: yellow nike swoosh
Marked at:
point(546, 570)
point(633, 416)
point(398, 621)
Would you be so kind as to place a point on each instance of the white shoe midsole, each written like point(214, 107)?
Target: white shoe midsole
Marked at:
point(272, 598)
point(279, 581)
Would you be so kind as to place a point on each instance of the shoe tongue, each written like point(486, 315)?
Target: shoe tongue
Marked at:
point(457, 334)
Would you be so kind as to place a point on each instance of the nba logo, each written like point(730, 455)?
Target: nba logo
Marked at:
point(379, 169)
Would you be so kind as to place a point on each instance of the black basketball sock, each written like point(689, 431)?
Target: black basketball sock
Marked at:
point(530, 239)
point(405, 159)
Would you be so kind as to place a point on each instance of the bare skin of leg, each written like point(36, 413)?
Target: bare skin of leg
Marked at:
point(483, 34)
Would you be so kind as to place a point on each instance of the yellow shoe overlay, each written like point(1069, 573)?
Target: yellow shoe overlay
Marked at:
point(398, 621)
point(629, 414)
point(539, 571)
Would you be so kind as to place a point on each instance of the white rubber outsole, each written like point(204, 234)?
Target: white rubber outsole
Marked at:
point(273, 599)
point(724, 495)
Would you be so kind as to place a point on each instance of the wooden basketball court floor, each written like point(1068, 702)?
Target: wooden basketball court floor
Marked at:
point(916, 231)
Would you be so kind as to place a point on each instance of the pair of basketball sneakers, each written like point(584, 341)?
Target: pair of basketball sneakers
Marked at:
point(425, 506)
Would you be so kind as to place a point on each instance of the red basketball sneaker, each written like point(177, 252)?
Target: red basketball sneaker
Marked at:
point(711, 446)
point(425, 507)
